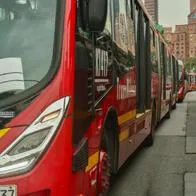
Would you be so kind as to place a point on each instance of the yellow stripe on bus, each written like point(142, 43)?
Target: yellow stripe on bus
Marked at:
point(92, 161)
point(3, 132)
point(124, 135)
point(126, 117)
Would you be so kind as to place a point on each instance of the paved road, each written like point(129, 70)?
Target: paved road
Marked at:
point(169, 167)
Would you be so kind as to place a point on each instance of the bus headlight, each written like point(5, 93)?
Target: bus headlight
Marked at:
point(23, 153)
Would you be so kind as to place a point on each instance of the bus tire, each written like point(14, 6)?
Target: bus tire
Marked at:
point(168, 115)
point(104, 175)
point(174, 106)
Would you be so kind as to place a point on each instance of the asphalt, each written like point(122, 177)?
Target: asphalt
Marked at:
point(169, 167)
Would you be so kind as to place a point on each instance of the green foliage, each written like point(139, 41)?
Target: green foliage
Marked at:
point(190, 66)
point(160, 28)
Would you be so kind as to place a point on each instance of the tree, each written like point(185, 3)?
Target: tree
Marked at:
point(190, 66)
point(160, 28)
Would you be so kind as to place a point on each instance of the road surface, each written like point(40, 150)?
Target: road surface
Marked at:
point(169, 167)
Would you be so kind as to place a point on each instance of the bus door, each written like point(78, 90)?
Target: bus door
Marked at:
point(164, 79)
point(174, 76)
point(143, 75)
point(168, 79)
point(155, 72)
point(174, 79)
point(124, 75)
point(160, 78)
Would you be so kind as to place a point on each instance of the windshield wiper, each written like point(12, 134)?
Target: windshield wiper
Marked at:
point(11, 91)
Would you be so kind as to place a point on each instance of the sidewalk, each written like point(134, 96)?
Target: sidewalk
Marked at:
point(190, 177)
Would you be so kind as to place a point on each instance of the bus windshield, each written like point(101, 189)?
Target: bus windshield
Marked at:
point(27, 37)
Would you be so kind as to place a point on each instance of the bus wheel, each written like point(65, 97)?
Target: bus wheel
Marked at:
point(168, 115)
point(174, 106)
point(104, 170)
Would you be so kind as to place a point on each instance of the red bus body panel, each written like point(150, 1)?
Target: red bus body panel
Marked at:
point(53, 174)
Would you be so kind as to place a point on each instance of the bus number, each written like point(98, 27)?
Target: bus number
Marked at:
point(102, 62)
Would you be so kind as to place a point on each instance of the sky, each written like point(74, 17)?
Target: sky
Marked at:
point(172, 12)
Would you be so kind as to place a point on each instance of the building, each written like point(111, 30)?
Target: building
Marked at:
point(192, 40)
point(152, 8)
point(178, 41)
point(192, 5)
point(192, 17)
point(181, 46)
point(181, 28)
point(183, 39)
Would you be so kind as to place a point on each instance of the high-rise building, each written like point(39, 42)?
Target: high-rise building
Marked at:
point(192, 5)
point(183, 39)
point(152, 8)
point(192, 17)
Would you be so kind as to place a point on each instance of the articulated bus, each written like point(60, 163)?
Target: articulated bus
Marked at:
point(192, 81)
point(183, 83)
point(83, 83)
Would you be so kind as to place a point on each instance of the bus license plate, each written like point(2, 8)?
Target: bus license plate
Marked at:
point(8, 190)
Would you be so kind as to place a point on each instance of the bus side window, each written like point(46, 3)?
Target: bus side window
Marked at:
point(154, 59)
point(130, 30)
point(168, 70)
point(136, 14)
point(120, 25)
point(121, 58)
point(108, 25)
point(163, 68)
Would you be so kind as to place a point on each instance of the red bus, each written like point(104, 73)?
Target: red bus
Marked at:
point(192, 81)
point(182, 81)
point(82, 85)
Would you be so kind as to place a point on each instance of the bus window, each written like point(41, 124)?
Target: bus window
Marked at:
point(108, 25)
point(136, 11)
point(141, 58)
point(131, 36)
point(123, 57)
point(180, 72)
point(168, 64)
point(163, 69)
point(120, 25)
point(154, 59)
point(148, 65)
point(174, 75)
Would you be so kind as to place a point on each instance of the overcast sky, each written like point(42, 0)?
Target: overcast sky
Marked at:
point(172, 12)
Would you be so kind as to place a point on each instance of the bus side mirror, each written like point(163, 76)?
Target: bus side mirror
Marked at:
point(93, 14)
